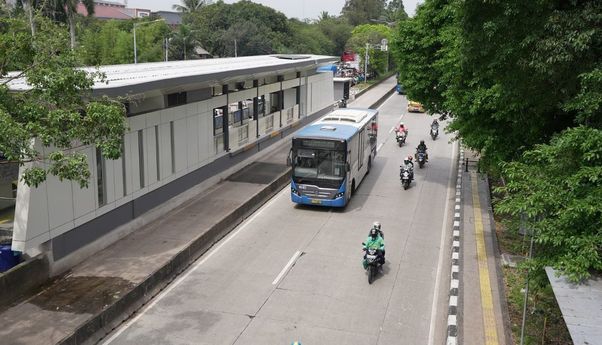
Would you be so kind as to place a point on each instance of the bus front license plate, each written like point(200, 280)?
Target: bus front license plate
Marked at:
point(316, 201)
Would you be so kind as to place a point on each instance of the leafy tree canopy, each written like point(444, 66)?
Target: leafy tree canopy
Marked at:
point(558, 186)
point(57, 112)
point(111, 42)
point(308, 38)
point(257, 29)
point(522, 82)
point(189, 6)
point(359, 12)
point(395, 11)
point(337, 30)
point(371, 34)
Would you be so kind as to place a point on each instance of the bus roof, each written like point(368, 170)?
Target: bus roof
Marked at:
point(356, 117)
point(334, 131)
point(339, 124)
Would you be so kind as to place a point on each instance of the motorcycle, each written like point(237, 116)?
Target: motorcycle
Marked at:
point(405, 177)
point(372, 263)
point(434, 132)
point(421, 158)
point(400, 136)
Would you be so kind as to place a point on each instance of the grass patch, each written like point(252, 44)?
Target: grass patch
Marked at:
point(544, 323)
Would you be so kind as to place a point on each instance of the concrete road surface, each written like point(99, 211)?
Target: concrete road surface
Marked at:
point(292, 273)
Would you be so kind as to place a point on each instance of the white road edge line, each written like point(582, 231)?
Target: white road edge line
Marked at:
point(288, 266)
point(379, 147)
point(434, 315)
point(181, 278)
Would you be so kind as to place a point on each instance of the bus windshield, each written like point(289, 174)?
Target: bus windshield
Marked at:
point(319, 164)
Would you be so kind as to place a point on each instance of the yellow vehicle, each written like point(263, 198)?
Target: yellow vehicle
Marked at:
point(415, 107)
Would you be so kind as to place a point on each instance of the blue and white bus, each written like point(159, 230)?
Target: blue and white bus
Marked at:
point(330, 157)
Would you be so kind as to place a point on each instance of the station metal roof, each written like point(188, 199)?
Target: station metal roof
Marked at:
point(138, 78)
point(581, 307)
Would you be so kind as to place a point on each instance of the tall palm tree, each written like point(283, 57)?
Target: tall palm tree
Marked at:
point(28, 6)
point(70, 7)
point(189, 6)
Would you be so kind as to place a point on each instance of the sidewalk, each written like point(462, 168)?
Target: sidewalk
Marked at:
point(101, 292)
point(483, 317)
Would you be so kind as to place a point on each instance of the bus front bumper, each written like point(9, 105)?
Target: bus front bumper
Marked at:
point(337, 202)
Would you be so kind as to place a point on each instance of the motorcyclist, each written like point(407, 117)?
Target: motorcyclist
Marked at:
point(375, 241)
point(422, 148)
point(409, 166)
point(376, 225)
point(402, 128)
point(435, 124)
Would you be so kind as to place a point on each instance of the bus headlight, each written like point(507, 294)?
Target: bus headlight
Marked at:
point(339, 195)
point(294, 191)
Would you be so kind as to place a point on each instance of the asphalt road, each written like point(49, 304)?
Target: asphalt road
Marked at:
point(292, 273)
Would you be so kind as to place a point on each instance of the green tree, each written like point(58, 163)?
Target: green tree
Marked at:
point(427, 52)
point(308, 38)
point(111, 42)
point(513, 75)
point(66, 11)
point(56, 111)
point(258, 29)
point(337, 30)
point(190, 6)
point(371, 34)
point(558, 186)
point(359, 12)
point(182, 43)
point(395, 11)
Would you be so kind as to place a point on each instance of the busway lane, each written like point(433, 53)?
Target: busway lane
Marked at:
point(229, 296)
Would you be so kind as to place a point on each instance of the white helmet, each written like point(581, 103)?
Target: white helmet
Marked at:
point(376, 225)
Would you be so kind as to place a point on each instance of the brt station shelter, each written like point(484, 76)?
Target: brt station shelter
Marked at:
point(189, 121)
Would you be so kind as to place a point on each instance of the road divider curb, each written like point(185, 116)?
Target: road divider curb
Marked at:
point(454, 288)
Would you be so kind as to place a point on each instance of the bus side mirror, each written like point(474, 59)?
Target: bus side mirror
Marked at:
point(347, 167)
point(289, 159)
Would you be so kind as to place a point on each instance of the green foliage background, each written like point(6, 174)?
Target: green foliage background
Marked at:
point(522, 83)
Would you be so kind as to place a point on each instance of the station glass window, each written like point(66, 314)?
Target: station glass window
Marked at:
point(275, 102)
point(141, 157)
point(261, 106)
point(123, 174)
point(101, 178)
point(173, 147)
point(158, 158)
point(218, 121)
point(175, 99)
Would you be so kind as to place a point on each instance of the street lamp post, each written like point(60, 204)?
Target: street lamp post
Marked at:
point(383, 46)
point(135, 47)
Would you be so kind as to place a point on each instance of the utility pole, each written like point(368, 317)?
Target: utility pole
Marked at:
point(166, 49)
point(235, 49)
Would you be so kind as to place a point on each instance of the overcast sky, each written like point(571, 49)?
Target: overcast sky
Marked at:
point(291, 8)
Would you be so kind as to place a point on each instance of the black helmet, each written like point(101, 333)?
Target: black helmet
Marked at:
point(421, 142)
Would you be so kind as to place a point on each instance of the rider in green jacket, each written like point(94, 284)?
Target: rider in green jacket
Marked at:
point(376, 241)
